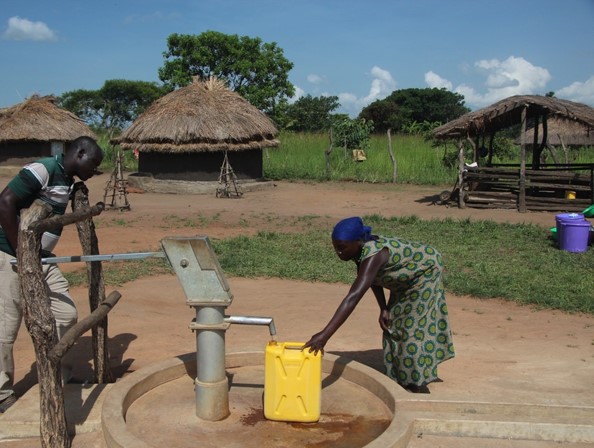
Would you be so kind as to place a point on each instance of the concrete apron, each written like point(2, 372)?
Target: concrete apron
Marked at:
point(90, 408)
point(411, 414)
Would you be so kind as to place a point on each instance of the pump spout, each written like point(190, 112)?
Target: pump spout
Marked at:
point(252, 320)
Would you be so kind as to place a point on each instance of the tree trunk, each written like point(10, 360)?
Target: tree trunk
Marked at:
point(42, 328)
point(90, 246)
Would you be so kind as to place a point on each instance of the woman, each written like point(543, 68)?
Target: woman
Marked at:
point(417, 335)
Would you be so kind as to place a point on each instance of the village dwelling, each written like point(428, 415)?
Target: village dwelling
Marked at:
point(190, 133)
point(544, 179)
point(37, 128)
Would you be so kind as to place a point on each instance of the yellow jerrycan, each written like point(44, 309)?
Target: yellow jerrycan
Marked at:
point(292, 383)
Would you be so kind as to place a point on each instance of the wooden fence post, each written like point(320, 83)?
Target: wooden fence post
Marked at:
point(90, 246)
point(392, 158)
point(42, 328)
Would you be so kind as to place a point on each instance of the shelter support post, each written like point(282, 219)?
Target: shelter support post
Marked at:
point(522, 182)
point(461, 203)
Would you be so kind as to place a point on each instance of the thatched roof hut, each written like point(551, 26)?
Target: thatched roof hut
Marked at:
point(185, 134)
point(508, 112)
point(35, 128)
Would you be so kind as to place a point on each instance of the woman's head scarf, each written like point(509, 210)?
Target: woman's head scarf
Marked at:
point(351, 229)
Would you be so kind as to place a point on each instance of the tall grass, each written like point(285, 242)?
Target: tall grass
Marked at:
point(302, 156)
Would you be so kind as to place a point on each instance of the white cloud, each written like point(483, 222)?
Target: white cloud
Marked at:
point(382, 84)
point(24, 29)
point(513, 76)
point(315, 79)
point(434, 80)
point(299, 92)
point(581, 92)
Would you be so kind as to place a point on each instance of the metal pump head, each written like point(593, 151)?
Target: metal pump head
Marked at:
point(198, 270)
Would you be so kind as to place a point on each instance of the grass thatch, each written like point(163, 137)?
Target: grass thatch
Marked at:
point(507, 112)
point(204, 116)
point(39, 119)
point(563, 132)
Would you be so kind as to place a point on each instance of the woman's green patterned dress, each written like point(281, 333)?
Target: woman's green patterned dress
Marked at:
point(420, 336)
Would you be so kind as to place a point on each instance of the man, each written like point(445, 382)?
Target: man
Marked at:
point(51, 180)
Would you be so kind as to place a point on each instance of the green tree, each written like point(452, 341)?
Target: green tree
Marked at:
point(113, 106)
point(256, 70)
point(404, 107)
point(311, 114)
point(85, 104)
point(383, 114)
point(353, 134)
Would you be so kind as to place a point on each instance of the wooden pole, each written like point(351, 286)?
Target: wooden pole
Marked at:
point(42, 328)
point(461, 203)
point(535, 154)
point(522, 181)
point(82, 326)
point(90, 246)
point(392, 158)
point(327, 153)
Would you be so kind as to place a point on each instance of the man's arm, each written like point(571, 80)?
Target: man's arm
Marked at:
point(9, 216)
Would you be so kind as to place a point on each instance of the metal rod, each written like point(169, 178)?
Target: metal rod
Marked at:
point(252, 320)
point(103, 257)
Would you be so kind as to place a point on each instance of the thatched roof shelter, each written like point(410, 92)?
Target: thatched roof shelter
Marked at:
point(538, 186)
point(508, 112)
point(201, 117)
point(39, 119)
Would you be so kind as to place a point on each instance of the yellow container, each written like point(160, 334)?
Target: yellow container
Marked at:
point(570, 194)
point(292, 383)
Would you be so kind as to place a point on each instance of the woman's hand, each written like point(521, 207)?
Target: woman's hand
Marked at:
point(384, 320)
point(316, 343)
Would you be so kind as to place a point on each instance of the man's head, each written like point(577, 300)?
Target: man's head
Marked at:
point(83, 158)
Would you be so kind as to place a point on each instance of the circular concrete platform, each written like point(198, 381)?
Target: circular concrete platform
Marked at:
point(156, 405)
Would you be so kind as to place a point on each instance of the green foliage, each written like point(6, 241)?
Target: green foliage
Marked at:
point(423, 129)
point(311, 114)
point(352, 134)
point(406, 106)
point(113, 106)
point(85, 104)
point(256, 70)
point(129, 162)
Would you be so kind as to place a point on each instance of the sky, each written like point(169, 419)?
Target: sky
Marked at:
point(359, 51)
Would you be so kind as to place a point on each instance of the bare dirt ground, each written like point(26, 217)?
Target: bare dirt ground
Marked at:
point(504, 352)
